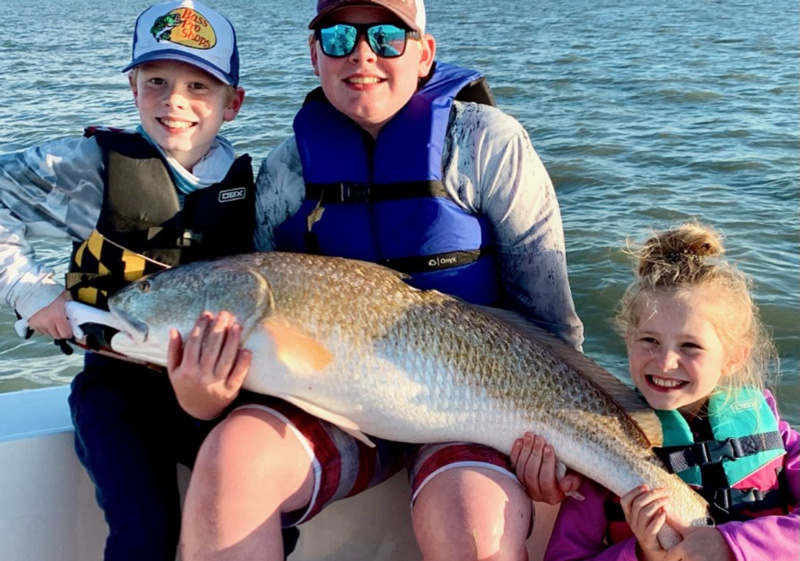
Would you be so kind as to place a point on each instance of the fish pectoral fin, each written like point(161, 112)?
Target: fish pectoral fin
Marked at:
point(343, 423)
point(302, 355)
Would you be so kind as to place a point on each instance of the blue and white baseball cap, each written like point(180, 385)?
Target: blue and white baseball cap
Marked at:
point(190, 32)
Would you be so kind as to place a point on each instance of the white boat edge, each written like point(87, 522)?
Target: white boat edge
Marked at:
point(49, 512)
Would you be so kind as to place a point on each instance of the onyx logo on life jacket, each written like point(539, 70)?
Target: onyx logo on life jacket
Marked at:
point(232, 195)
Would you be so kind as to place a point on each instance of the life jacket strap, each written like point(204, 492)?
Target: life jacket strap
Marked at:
point(173, 237)
point(681, 458)
point(731, 500)
point(425, 263)
point(351, 192)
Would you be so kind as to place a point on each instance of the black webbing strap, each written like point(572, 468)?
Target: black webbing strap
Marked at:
point(681, 458)
point(425, 263)
point(349, 192)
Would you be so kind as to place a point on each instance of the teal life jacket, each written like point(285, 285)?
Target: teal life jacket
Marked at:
point(736, 464)
point(736, 467)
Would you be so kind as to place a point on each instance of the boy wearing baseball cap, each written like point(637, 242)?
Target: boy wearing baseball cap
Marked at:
point(133, 202)
point(401, 160)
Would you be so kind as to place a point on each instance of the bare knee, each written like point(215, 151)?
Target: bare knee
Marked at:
point(252, 453)
point(251, 468)
point(472, 514)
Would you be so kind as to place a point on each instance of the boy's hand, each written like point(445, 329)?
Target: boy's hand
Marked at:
point(52, 319)
point(208, 371)
point(536, 467)
point(645, 513)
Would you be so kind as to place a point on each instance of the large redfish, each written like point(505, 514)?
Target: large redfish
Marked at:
point(352, 343)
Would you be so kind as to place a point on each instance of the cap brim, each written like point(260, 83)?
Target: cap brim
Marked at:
point(365, 3)
point(182, 57)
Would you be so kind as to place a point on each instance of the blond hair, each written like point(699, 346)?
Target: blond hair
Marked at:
point(684, 260)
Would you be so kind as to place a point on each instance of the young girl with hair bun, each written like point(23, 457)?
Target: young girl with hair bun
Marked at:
point(698, 353)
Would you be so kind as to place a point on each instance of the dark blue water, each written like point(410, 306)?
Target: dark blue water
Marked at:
point(645, 114)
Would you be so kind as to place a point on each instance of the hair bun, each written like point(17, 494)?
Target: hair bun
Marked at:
point(679, 253)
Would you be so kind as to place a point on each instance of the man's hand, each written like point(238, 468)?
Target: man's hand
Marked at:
point(536, 467)
point(207, 371)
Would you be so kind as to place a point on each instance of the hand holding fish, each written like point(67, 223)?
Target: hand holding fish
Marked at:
point(646, 511)
point(646, 514)
point(537, 469)
point(208, 371)
point(52, 319)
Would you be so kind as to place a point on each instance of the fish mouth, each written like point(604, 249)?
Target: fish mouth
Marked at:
point(130, 327)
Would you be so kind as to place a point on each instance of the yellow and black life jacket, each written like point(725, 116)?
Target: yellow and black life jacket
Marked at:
point(143, 227)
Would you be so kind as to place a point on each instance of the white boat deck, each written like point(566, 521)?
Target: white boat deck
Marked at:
point(49, 513)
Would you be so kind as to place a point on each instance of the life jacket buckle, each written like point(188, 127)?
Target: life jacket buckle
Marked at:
point(187, 238)
point(351, 192)
point(714, 452)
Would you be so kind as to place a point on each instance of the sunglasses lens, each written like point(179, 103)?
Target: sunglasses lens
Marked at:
point(387, 40)
point(338, 40)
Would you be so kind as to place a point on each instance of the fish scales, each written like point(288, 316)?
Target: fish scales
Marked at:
point(407, 365)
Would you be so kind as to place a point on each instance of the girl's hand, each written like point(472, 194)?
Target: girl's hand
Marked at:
point(700, 543)
point(534, 462)
point(208, 371)
point(645, 513)
point(52, 319)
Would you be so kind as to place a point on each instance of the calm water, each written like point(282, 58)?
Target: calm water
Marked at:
point(644, 113)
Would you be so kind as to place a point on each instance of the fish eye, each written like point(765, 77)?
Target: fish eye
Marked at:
point(144, 286)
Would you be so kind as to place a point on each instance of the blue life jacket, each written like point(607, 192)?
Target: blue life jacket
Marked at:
point(383, 200)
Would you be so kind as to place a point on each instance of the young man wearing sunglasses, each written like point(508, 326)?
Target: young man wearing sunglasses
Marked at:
point(402, 161)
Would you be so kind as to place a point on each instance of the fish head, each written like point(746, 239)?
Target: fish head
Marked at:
point(150, 307)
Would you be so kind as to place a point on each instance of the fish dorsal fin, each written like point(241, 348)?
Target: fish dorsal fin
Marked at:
point(343, 423)
point(626, 398)
point(301, 354)
point(383, 269)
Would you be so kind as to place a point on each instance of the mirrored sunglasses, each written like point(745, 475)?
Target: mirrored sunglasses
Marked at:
point(385, 39)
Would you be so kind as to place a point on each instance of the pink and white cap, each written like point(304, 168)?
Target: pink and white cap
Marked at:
point(411, 12)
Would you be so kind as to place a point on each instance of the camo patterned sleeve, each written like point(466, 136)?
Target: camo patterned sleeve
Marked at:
point(280, 191)
point(52, 190)
point(489, 168)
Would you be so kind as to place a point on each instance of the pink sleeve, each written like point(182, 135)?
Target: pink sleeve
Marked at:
point(580, 529)
point(776, 538)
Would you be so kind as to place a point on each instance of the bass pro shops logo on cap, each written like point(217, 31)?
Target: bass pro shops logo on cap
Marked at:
point(188, 32)
point(186, 27)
